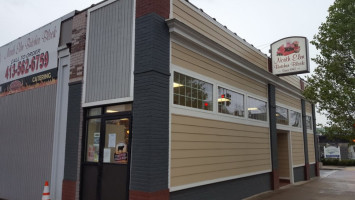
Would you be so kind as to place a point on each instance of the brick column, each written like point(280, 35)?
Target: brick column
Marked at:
point(150, 124)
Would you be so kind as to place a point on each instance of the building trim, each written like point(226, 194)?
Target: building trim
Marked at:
point(290, 157)
point(182, 187)
point(110, 101)
point(60, 124)
point(67, 16)
point(171, 93)
point(133, 48)
point(234, 35)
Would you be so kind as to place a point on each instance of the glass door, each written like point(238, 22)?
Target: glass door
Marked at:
point(105, 168)
point(114, 174)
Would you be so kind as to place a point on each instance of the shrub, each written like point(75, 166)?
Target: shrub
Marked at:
point(332, 161)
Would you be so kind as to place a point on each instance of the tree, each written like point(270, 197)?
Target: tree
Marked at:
point(332, 86)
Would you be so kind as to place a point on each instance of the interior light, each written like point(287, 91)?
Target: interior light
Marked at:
point(253, 109)
point(111, 111)
point(223, 99)
point(277, 114)
point(177, 85)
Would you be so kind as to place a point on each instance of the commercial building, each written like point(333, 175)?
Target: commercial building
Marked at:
point(148, 99)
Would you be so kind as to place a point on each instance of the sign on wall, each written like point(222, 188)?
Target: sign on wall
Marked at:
point(290, 56)
point(31, 60)
point(332, 152)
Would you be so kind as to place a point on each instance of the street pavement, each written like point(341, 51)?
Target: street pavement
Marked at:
point(334, 184)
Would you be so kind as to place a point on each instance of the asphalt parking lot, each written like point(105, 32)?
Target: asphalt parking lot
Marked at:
point(333, 184)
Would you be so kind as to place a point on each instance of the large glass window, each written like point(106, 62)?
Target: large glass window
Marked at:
point(230, 102)
point(257, 109)
point(192, 92)
point(281, 115)
point(295, 119)
point(309, 122)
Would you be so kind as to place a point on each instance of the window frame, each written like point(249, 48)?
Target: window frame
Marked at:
point(239, 93)
point(199, 79)
point(288, 115)
point(299, 112)
point(247, 109)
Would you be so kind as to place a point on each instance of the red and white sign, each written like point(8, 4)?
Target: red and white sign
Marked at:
point(290, 56)
point(31, 54)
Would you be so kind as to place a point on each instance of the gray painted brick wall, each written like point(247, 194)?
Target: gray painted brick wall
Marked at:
point(150, 124)
point(73, 131)
point(312, 170)
point(298, 173)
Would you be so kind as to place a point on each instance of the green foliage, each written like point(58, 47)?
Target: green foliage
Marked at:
point(336, 162)
point(332, 86)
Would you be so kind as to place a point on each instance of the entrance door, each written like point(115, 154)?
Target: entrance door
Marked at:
point(105, 172)
point(283, 156)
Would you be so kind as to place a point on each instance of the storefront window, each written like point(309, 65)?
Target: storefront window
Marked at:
point(281, 115)
point(309, 122)
point(257, 109)
point(230, 102)
point(191, 92)
point(116, 141)
point(118, 108)
point(295, 119)
point(94, 111)
point(93, 140)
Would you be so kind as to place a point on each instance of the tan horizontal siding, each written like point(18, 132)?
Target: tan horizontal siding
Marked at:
point(203, 149)
point(288, 100)
point(293, 80)
point(308, 108)
point(311, 151)
point(194, 178)
point(282, 152)
point(297, 148)
point(190, 60)
point(201, 24)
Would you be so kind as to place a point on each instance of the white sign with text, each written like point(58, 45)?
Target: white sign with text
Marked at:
point(290, 56)
point(31, 54)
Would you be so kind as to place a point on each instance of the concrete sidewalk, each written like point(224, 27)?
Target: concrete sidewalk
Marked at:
point(339, 185)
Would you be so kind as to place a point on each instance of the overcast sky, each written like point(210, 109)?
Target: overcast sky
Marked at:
point(259, 22)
